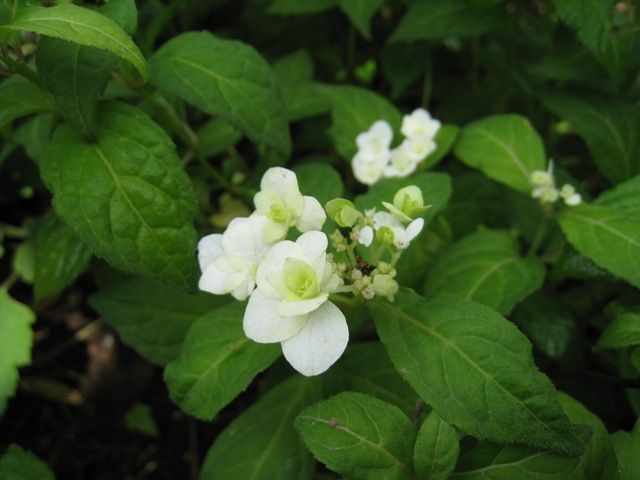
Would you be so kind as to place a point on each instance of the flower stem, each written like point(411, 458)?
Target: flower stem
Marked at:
point(541, 232)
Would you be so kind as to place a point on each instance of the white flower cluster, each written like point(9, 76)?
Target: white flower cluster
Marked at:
point(544, 188)
point(288, 283)
point(376, 159)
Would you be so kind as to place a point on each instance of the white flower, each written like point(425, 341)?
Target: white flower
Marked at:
point(402, 162)
point(570, 196)
point(369, 169)
point(291, 305)
point(365, 236)
point(401, 236)
point(280, 200)
point(375, 142)
point(419, 122)
point(229, 261)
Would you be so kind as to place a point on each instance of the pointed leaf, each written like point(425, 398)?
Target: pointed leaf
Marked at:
point(20, 97)
point(436, 450)
point(19, 464)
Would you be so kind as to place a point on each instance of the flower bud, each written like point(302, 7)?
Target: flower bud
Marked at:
point(385, 235)
point(408, 203)
point(385, 285)
point(343, 212)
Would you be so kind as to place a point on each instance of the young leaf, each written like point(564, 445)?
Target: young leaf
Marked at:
point(359, 436)
point(78, 25)
point(475, 369)
point(16, 339)
point(624, 331)
point(217, 362)
point(20, 97)
point(360, 13)
point(624, 196)
point(436, 450)
point(506, 148)
point(151, 318)
point(319, 180)
point(354, 110)
point(486, 267)
point(19, 464)
point(610, 128)
point(262, 443)
point(60, 256)
point(627, 446)
point(126, 196)
point(225, 78)
point(610, 238)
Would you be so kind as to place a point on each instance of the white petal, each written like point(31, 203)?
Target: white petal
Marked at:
point(414, 229)
point(313, 215)
point(384, 219)
point(238, 239)
point(368, 169)
point(382, 131)
point(366, 236)
point(209, 248)
point(263, 324)
point(320, 343)
point(221, 277)
point(279, 180)
point(402, 162)
point(273, 265)
point(314, 244)
point(288, 308)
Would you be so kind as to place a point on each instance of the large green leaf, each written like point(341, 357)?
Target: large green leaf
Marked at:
point(624, 196)
point(78, 25)
point(360, 13)
point(610, 128)
point(475, 369)
point(16, 339)
point(9, 9)
point(20, 97)
point(624, 331)
point(354, 110)
point(262, 443)
point(60, 256)
point(627, 446)
point(152, 318)
point(126, 196)
point(486, 267)
point(225, 78)
point(504, 147)
point(217, 362)
point(611, 238)
point(359, 436)
point(19, 464)
point(436, 450)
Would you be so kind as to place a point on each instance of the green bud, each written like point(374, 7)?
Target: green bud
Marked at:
point(343, 212)
point(408, 203)
point(385, 285)
point(385, 235)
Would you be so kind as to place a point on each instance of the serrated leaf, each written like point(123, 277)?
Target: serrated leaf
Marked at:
point(60, 256)
point(225, 78)
point(624, 331)
point(359, 436)
point(153, 319)
point(126, 196)
point(78, 25)
point(486, 267)
point(217, 362)
point(296, 7)
point(262, 443)
point(627, 445)
point(475, 369)
point(319, 180)
point(625, 196)
point(354, 110)
point(20, 97)
point(611, 238)
point(19, 464)
point(506, 148)
point(434, 19)
point(360, 13)
point(610, 129)
point(436, 450)
point(16, 339)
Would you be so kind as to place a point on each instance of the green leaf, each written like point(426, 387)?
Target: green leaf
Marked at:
point(34, 134)
point(305, 100)
point(19, 464)
point(139, 419)
point(506, 148)
point(262, 443)
point(217, 362)
point(624, 196)
point(359, 436)
point(435, 20)
point(610, 238)
point(354, 110)
point(296, 7)
point(445, 138)
point(365, 367)
point(60, 257)
point(79, 25)
point(599, 459)
point(20, 97)
point(403, 64)
point(593, 24)
point(486, 267)
point(225, 78)
point(319, 180)
point(126, 196)
point(360, 13)
point(436, 449)
point(610, 129)
point(16, 339)
point(23, 261)
point(217, 136)
point(151, 318)
point(10, 8)
point(297, 67)
point(627, 446)
point(475, 369)
point(624, 331)
point(123, 12)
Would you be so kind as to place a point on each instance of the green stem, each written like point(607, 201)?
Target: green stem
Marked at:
point(10, 281)
point(344, 300)
point(541, 232)
point(12, 231)
point(20, 68)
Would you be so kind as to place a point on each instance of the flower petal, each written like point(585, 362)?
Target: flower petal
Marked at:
point(222, 276)
point(365, 236)
point(209, 248)
point(368, 169)
point(263, 324)
point(272, 266)
point(279, 180)
point(414, 228)
point(288, 308)
point(320, 343)
point(313, 215)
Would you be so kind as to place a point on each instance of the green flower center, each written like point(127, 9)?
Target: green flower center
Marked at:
point(300, 279)
point(279, 214)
